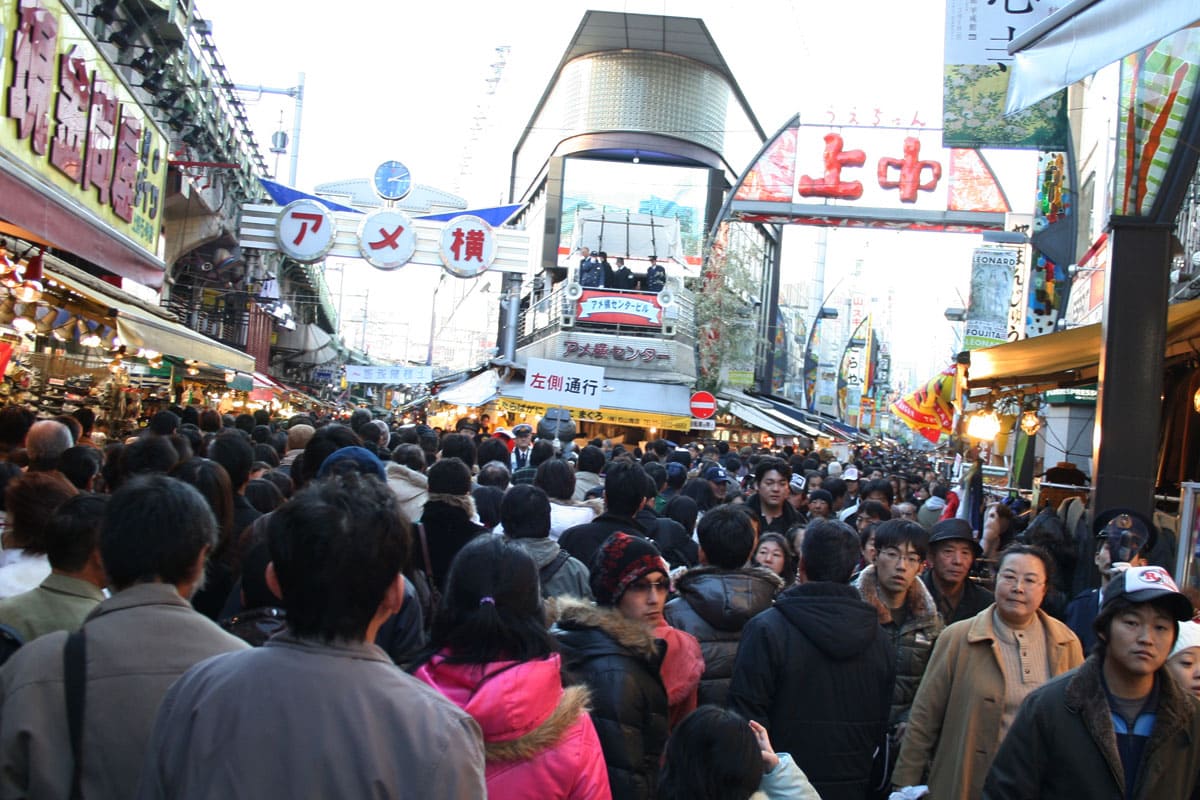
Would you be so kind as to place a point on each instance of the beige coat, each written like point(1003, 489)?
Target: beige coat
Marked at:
point(955, 722)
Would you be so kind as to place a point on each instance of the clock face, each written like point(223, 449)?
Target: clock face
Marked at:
point(392, 180)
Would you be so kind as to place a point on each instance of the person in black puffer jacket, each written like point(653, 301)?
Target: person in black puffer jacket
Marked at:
point(716, 600)
point(817, 671)
point(618, 658)
point(448, 517)
point(675, 543)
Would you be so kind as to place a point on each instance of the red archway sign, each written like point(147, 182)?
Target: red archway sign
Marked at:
point(703, 405)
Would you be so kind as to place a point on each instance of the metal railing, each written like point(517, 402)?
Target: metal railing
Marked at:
point(557, 312)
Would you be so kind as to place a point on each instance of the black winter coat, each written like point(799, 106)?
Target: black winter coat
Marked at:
point(448, 527)
point(714, 605)
point(817, 671)
point(618, 660)
point(676, 546)
point(582, 541)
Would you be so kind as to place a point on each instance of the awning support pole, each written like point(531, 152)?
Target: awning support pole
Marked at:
point(1132, 345)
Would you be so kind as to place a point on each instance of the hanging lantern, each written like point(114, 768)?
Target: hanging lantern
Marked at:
point(64, 326)
point(89, 333)
point(984, 425)
point(1030, 423)
point(23, 322)
point(29, 290)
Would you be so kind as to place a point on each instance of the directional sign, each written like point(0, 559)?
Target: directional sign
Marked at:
point(704, 424)
point(703, 405)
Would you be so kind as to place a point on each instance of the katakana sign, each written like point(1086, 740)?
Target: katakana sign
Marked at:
point(468, 246)
point(619, 308)
point(305, 231)
point(652, 352)
point(387, 239)
point(69, 117)
point(559, 383)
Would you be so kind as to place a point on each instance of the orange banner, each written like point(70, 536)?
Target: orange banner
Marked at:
point(930, 410)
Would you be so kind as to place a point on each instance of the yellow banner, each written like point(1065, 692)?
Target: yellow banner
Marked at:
point(613, 416)
point(69, 118)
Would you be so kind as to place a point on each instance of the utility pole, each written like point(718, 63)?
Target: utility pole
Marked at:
point(297, 94)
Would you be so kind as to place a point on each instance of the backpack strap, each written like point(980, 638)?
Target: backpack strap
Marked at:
point(550, 570)
point(425, 553)
point(75, 685)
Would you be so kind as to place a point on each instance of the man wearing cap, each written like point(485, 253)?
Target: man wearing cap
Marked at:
point(718, 478)
point(952, 553)
point(1122, 536)
point(1118, 725)
point(522, 446)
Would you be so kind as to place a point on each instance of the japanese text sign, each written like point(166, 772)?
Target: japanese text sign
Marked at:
point(560, 383)
point(69, 118)
point(625, 352)
point(978, 33)
point(468, 246)
point(619, 308)
point(387, 239)
point(991, 292)
point(305, 231)
point(398, 376)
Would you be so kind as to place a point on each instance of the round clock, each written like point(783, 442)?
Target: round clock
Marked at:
point(392, 180)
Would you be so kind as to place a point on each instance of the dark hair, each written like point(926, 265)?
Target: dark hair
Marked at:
point(411, 456)
point(264, 495)
point(836, 488)
point(683, 510)
point(876, 509)
point(449, 476)
point(80, 464)
point(727, 537)
point(711, 755)
point(148, 454)
point(624, 487)
point(541, 452)
point(772, 464)
point(260, 434)
point(830, 551)
point(492, 608)
point(700, 492)
point(282, 481)
point(882, 486)
point(492, 450)
point(244, 422)
point(192, 435)
point(164, 423)
point(556, 478)
point(525, 512)
point(938, 489)
point(30, 499)
point(212, 481)
point(487, 504)
point(657, 474)
point(210, 421)
point(231, 450)
point(15, 422)
point(86, 419)
point(1022, 549)
point(324, 442)
point(72, 425)
point(337, 546)
point(73, 531)
point(591, 459)
point(266, 454)
point(789, 555)
point(895, 532)
point(155, 530)
point(460, 446)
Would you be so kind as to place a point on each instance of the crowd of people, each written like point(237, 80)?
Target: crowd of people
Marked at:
point(247, 606)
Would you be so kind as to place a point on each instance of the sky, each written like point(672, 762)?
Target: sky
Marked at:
point(407, 80)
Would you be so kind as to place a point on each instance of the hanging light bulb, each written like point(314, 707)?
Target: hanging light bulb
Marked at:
point(148, 354)
point(64, 326)
point(6, 264)
point(1030, 423)
point(23, 321)
point(193, 370)
point(984, 425)
point(30, 288)
point(89, 335)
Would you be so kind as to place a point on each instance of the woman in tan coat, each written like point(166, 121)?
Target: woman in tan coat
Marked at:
point(980, 671)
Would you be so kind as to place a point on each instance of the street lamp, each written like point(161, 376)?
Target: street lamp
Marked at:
point(433, 319)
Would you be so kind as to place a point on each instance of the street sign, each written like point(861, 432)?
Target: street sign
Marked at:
point(703, 405)
point(563, 383)
point(704, 424)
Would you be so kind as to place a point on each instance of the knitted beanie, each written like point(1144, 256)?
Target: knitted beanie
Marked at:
point(620, 561)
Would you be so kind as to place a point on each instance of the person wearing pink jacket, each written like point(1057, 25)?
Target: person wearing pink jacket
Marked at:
point(491, 655)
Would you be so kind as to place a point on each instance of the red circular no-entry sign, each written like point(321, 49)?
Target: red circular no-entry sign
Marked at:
point(703, 405)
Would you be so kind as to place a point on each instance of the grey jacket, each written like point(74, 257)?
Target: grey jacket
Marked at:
point(584, 483)
point(138, 642)
point(298, 718)
point(571, 578)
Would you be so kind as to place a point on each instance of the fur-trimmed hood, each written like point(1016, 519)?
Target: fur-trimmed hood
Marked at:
point(521, 707)
point(400, 475)
point(921, 605)
point(572, 615)
point(462, 502)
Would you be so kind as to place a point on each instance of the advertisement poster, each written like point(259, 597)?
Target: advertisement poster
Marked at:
point(991, 291)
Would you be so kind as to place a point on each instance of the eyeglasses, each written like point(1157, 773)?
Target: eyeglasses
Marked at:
point(892, 554)
point(645, 587)
point(1011, 579)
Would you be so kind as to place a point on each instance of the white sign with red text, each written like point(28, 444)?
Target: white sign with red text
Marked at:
point(563, 383)
point(305, 231)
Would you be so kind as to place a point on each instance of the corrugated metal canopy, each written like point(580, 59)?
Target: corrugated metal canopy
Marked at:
point(1073, 356)
point(602, 31)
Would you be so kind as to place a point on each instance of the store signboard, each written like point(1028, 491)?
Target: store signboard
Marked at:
point(563, 383)
point(619, 308)
point(992, 271)
point(618, 351)
point(704, 424)
point(388, 374)
point(609, 416)
point(70, 122)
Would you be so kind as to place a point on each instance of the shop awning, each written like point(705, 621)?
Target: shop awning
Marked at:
point(796, 418)
point(1085, 36)
point(1072, 356)
point(761, 419)
point(473, 392)
point(139, 327)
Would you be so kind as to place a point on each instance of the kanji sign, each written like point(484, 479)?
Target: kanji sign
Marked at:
point(468, 246)
point(398, 376)
point(71, 120)
point(619, 308)
point(305, 231)
point(387, 239)
point(611, 416)
point(560, 383)
point(704, 424)
point(622, 353)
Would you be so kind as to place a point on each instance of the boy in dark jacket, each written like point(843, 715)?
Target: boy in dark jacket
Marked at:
point(817, 671)
point(1118, 725)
